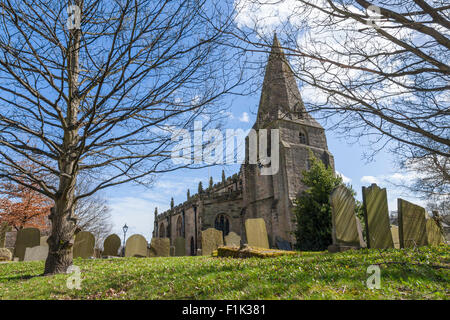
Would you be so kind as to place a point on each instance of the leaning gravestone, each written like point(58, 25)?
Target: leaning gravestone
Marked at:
point(256, 232)
point(362, 242)
point(111, 245)
point(412, 224)
point(136, 246)
point(26, 238)
point(160, 247)
point(233, 239)
point(211, 240)
point(378, 229)
point(395, 237)
point(180, 247)
point(434, 233)
point(38, 253)
point(84, 245)
point(282, 244)
point(344, 228)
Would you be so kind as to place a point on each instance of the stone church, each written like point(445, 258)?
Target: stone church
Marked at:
point(249, 194)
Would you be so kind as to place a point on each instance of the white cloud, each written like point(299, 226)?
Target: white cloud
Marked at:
point(369, 179)
point(344, 178)
point(244, 117)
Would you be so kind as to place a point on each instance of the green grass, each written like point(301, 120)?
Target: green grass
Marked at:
point(310, 275)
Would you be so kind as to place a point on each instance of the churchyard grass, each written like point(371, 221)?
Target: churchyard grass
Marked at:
point(405, 274)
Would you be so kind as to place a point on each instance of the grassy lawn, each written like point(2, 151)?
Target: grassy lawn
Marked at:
point(310, 275)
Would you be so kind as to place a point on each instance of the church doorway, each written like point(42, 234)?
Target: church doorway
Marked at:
point(193, 253)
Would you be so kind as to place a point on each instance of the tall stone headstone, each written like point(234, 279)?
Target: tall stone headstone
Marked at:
point(3, 230)
point(10, 239)
point(84, 244)
point(362, 242)
point(26, 238)
point(434, 233)
point(343, 217)
point(395, 237)
point(180, 247)
point(136, 246)
point(111, 245)
point(412, 224)
point(211, 240)
point(283, 244)
point(160, 247)
point(232, 239)
point(256, 232)
point(38, 253)
point(376, 213)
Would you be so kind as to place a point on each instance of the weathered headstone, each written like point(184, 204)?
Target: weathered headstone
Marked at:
point(232, 239)
point(38, 253)
point(26, 238)
point(5, 254)
point(172, 251)
point(136, 246)
point(283, 244)
point(180, 247)
point(111, 245)
point(344, 229)
point(84, 245)
point(362, 242)
point(43, 241)
point(10, 239)
point(376, 213)
point(256, 232)
point(160, 247)
point(395, 237)
point(211, 240)
point(434, 233)
point(412, 224)
point(3, 229)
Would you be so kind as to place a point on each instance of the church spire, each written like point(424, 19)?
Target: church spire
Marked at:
point(280, 96)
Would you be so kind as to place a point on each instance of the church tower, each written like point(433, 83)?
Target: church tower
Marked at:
point(281, 107)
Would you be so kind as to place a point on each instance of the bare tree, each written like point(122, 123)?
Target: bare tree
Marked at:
point(376, 69)
point(93, 213)
point(89, 86)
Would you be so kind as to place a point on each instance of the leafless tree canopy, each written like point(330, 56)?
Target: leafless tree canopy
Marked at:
point(95, 99)
point(378, 69)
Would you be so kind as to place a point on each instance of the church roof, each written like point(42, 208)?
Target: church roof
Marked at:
point(280, 96)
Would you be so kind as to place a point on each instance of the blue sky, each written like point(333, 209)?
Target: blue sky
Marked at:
point(135, 205)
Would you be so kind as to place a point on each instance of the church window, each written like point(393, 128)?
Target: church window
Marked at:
point(302, 137)
point(222, 223)
point(179, 227)
point(162, 231)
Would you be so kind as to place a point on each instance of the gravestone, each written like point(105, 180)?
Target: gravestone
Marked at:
point(3, 229)
point(412, 224)
point(343, 218)
point(136, 246)
point(180, 247)
point(211, 240)
point(283, 244)
point(434, 233)
point(5, 254)
point(256, 232)
point(172, 251)
point(26, 238)
point(111, 245)
point(43, 241)
point(395, 237)
point(378, 230)
point(10, 239)
point(38, 253)
point(233, 239)
point(362, 242)
point(84, 245)
point(160, 247)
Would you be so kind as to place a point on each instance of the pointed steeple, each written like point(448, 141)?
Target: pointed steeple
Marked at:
point(280, 96)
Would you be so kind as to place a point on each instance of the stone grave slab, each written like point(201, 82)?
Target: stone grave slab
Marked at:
point(38, 253)
point(256, 232)
point(180, 247)
point(84, 244)
point(233, 239)
point(111, 245)
point(136, 246)
point(211, 240)
point(412, 224)
point(26, 238)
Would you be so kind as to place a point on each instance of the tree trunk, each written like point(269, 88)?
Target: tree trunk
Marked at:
point(61, 239)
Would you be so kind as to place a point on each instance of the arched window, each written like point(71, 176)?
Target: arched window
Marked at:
point(179, 227)
point(222, 223)
point(162, 231)
point(302, 137)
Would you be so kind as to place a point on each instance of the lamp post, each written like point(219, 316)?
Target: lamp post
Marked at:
point(125, 229)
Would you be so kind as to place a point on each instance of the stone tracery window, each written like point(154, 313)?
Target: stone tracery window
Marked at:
point(302, 137)
point(222, 223)
point(162, 231)
point(179, 227)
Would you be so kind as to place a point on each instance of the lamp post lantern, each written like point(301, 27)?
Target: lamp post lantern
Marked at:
point(125, 229)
